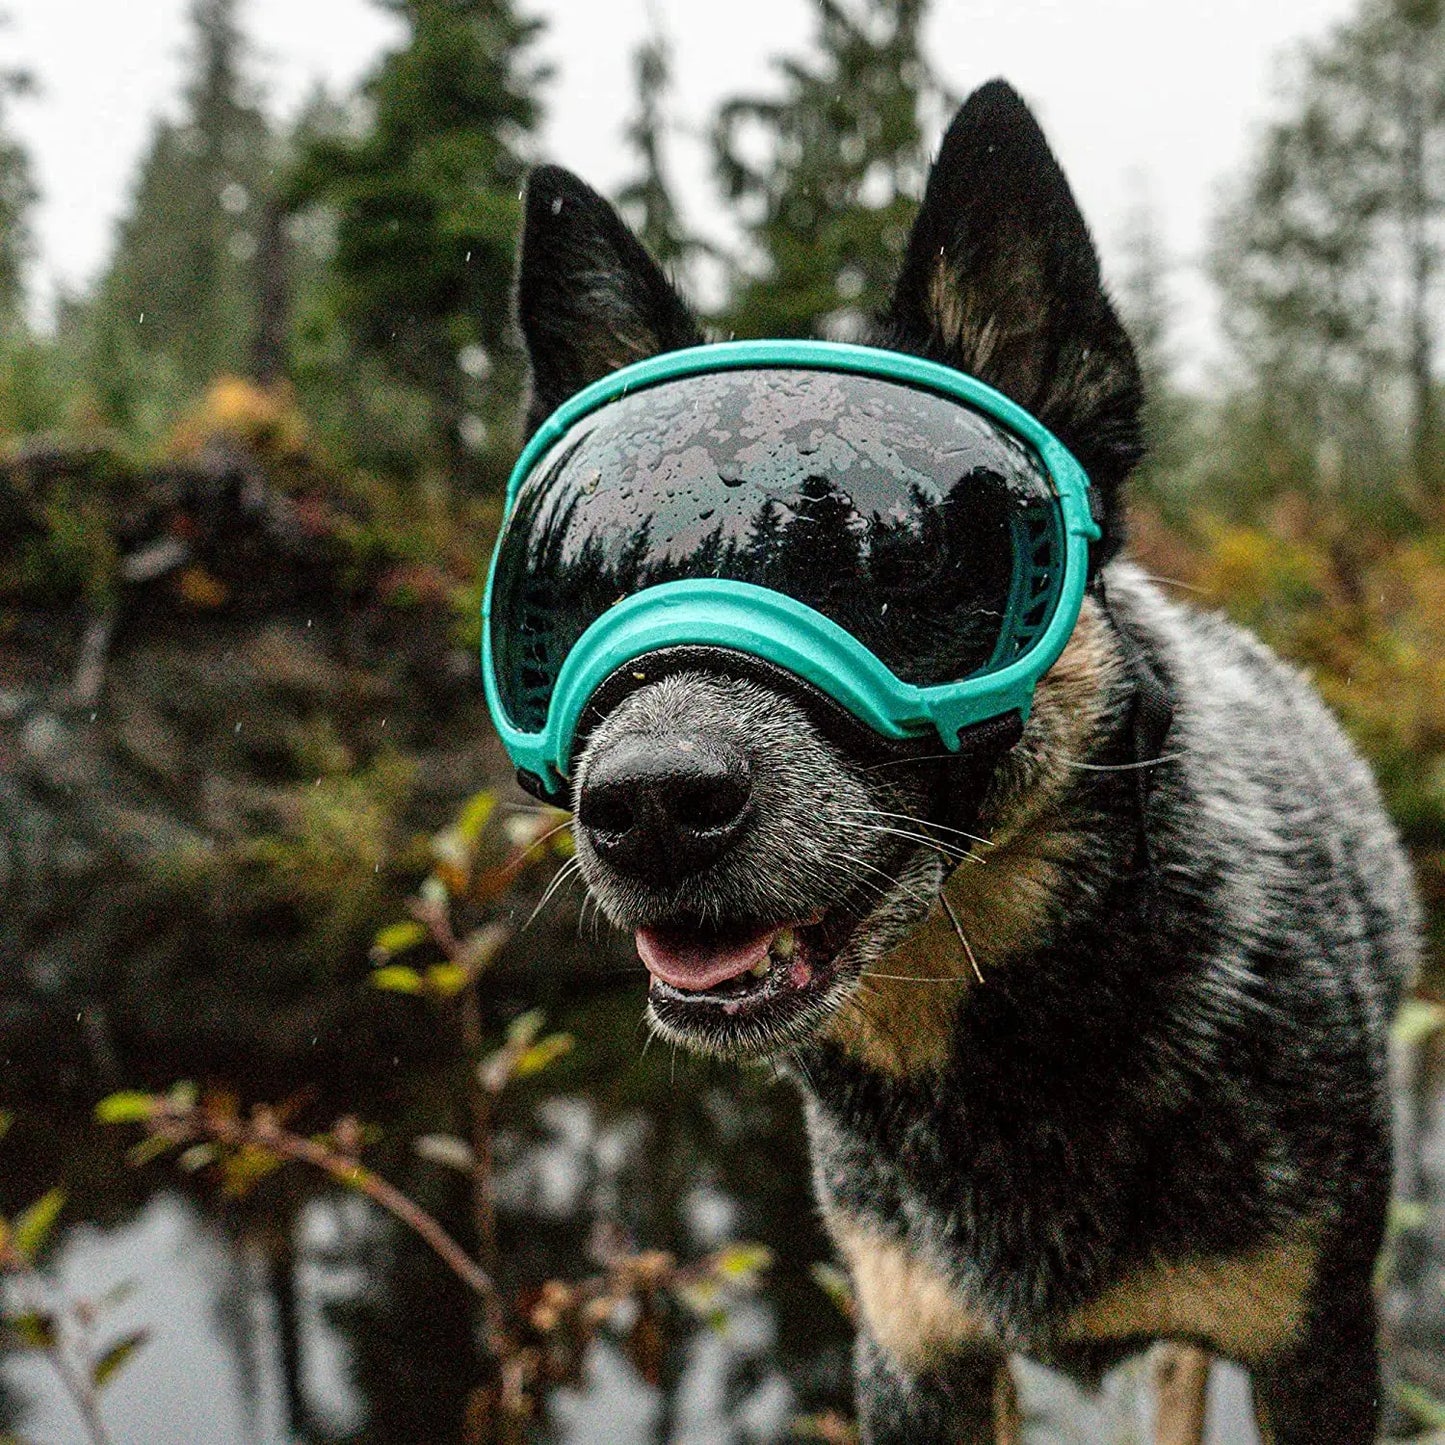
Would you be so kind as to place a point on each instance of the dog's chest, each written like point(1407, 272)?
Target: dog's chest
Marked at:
point(1007, 1271)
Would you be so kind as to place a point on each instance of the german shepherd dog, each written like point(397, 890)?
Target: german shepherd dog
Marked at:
point(1120, 1075)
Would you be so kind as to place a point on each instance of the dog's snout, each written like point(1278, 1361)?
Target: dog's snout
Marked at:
point(663, 808)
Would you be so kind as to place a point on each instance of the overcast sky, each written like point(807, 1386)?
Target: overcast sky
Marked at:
point(1133, 93)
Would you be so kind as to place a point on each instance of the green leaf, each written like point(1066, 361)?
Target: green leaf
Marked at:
point(34, 1227)
point(1407, 1214)
point(397, 938)
point(242, 1170)
point(835, 1283)
point(742, 1261)
point(523, 1029)
point(1421, 1404)
point(475, 815)
point(396, 979)
point(446, 1149)
point(128, 1107)
point(357, 1177)
point(116, 1357)
point(1417, 1020)
point(33, 1331)
point(542, 1055)
point(446, 979)
point(183, 1095)
point(433, 891)
point(6, 1120)
point(197, 1157)
point(149, 1148)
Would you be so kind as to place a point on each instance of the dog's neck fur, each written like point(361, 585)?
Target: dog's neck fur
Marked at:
point(1054, 844)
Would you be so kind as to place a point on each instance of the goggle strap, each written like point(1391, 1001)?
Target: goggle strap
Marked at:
point(968, 773)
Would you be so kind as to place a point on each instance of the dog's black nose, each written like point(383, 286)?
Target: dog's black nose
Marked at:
point(662, 808)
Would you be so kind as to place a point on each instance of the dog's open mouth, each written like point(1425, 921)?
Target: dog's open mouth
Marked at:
point(748, 972)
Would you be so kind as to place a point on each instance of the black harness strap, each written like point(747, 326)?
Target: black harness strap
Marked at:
point(967, 774)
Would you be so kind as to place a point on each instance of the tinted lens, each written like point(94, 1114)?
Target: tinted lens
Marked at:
point(895, 512)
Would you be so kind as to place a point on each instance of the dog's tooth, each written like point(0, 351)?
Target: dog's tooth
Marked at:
point(761, 967)
point(784, 944)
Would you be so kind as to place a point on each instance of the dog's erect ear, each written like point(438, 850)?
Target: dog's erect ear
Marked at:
point(589, 298)
point(1000, 280)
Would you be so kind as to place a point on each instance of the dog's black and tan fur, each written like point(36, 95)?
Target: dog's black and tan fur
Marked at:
point(1147, 1098)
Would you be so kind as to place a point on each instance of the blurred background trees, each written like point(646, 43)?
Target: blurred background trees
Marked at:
point(425, 205)
point(17, 195)
point(177, 306)
point(1328, 259)
point(825, 174)
point(1316, 501)
point(648, 199)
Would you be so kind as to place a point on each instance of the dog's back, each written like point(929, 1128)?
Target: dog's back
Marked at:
point(1291, 827)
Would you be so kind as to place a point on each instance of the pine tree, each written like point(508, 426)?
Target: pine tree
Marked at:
point(1145, 303)
point(847, 151)
point(1329, 257)
point(17, 197)
point(177, 307)
point(647, 200)
point(33, 370)
point(426, 207)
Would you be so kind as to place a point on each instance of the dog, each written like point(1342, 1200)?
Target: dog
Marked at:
point(1101, 1061)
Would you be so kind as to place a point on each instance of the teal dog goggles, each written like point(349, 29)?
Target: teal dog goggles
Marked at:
point(891, 532)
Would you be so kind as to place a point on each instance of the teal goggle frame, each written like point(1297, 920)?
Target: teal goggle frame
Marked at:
point(763, 623)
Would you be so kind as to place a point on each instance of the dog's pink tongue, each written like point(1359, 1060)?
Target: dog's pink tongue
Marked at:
point(697, 962)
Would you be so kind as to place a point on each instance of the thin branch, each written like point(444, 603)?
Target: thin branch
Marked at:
point(81, 1392)
point(182, 1124)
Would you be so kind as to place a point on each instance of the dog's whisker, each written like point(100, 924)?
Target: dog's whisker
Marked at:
point(950, 853)
point(919, 823)
point(911, 978)
point(1176, 582)
point(568, 871)
point(893, 883)
point(550, 833)
point(592, 902)
point(962, 937)
point(908, 762)
point(1119, 767)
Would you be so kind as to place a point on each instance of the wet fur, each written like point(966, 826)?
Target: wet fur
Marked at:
point(1163, 1107)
